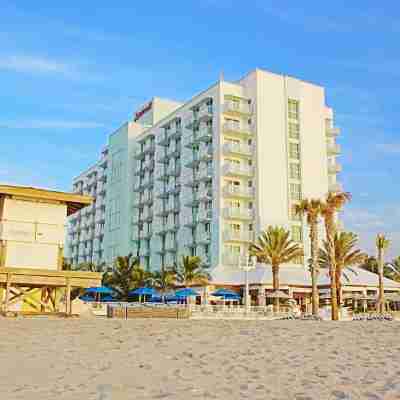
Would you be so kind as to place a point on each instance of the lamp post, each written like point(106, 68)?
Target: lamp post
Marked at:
point(249, 264)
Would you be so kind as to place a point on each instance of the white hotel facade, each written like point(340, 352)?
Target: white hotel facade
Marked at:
point(205, 177)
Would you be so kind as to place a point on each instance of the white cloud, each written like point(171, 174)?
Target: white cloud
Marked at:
point(51, 124)
point(34, 64)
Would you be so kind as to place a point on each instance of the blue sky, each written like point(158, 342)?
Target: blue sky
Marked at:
point(71, 73)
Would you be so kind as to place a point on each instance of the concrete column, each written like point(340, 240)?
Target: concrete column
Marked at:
point(261, 296)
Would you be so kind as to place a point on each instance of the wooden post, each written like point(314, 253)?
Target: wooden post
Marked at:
point(60, 258)
point(68, 309)
point(3, 253)
point(8, 287)
point(43, 299)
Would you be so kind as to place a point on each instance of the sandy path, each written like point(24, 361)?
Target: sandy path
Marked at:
point(162, 359)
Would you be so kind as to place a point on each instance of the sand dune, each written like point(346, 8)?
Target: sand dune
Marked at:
point(170, 359)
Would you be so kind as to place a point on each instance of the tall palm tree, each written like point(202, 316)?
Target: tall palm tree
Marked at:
point(329, 208)
point(312, 210)
point(382, 243)
point(164, 279)
point(391, 270)
point(126, 275)
point(394, 270)
point(191, 271)
point(275, 247)
point(346, 255)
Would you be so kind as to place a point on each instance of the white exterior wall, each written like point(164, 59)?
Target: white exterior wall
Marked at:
point(33, 232)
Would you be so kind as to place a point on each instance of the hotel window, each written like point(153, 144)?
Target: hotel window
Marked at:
point(297, 234)
point(294, 151)
point(294, 216)
point(295, 191)
point(295, 171)
point(294, 130)
point(235, 227)
point(234, 204)
point(232, 141)
point(233, 249)
point(299, 260)
point(293, 109)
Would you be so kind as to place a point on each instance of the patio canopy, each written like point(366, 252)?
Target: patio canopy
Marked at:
point(143, 291)
point(226, 294)
point(99, 290)
point(186, 292)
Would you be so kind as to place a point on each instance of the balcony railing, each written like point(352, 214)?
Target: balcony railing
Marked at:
point(332, 131)
point(238, 213)
point(238, 148)
point(205, 238)
point(175, 133)
point(231, 127)
point(204, 216)
point(229, 258)
point(206, 153)
point(238, 108)
point(238, 236)
point(336, 187)
point(237, 169)
point(333, 148)
point(334, 168)
point(205, 113)
point(238, 191)
point(205, 134)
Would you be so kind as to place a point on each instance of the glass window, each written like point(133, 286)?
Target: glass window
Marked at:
point(295, 191)
point(293, 215)
point(293, 109)
point(294, 151)
point(294, 130)
point(297, 234)
point(295, 171)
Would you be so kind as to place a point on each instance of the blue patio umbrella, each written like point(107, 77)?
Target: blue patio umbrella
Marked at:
point(107, 298)
point(186, 292)
point(226, 294)
point(99, 290)
point(86, 298)
point(144, 291)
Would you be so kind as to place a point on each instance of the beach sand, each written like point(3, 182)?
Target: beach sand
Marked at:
point(179, 359)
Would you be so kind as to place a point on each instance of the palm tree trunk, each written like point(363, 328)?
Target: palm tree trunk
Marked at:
point(339, 286)
point(330, 234)
point(275, 285)
point(381, 298)
point(314, 266)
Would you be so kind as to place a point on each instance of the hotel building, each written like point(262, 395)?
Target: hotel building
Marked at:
point(205, 177)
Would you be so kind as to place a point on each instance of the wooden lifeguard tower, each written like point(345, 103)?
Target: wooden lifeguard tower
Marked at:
point(32, 236)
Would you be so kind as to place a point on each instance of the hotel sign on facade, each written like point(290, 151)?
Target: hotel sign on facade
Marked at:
point(144, 110)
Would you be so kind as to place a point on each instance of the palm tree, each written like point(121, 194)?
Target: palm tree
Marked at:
point(275, 247)
point(126, 275)
point(394, 269)
point(164, 279)
point(391, 270)
point(346, 255)
point(312, 210)
point(382, 243)
point(191, 271)
point(329, 208)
